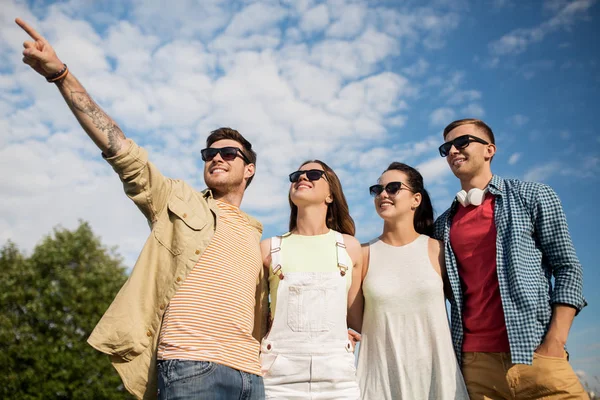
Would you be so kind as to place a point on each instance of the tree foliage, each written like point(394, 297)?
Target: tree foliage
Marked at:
point(50, 303)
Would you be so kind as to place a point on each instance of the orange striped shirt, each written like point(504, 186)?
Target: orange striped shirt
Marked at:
point(211, 316)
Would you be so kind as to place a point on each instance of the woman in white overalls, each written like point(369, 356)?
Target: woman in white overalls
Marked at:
point(307, 353)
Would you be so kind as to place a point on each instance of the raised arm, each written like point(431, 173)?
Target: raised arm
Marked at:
point(42, 58)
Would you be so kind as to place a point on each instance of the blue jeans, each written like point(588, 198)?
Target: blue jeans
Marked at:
point(192, 380)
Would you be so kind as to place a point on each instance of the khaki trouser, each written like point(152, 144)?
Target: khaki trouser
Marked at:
point(492, 376)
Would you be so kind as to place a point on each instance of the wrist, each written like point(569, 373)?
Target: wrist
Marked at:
point(555, 339)
point(58, 75)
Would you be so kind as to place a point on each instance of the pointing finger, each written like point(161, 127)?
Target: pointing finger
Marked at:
point(30, 31)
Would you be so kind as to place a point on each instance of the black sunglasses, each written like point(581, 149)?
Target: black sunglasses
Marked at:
point(227, 154)
point(459, 143)
point(391, 188)
point(311, 175)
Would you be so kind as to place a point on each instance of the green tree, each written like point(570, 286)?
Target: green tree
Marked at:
point(50, 303)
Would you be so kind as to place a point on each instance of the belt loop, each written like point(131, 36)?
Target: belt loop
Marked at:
point(349, 348)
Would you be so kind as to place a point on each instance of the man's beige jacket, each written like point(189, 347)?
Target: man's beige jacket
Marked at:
point(183, 222)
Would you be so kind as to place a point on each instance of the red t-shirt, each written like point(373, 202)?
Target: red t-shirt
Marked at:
point(473, 239)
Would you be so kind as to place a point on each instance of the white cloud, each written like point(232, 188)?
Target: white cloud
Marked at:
point(542, 173)
point(473, 110)
point(554, 5)
point(441, 116)
point(417, 69)
point(353, 59)
point(313, 84)
point(182, 19)
point(255, 19)
point(501, 3)
point(315, 20)
point(518, 40)
point(531, 69)
point(518, 120)
point(514, 158)
point(464, 96)
point(349, 22)
point(434, 170)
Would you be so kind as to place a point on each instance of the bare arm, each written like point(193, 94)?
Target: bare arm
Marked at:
point(355, 296)
point(265, 317)
point(556, 338)
point(41, 57)
point(436, 256)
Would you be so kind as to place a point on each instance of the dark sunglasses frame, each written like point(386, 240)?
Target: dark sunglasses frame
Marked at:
point(311, 175)
point(228, 153)
point(459, 143)
point(392, 188)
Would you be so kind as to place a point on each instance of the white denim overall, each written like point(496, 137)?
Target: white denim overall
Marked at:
point(307, 354)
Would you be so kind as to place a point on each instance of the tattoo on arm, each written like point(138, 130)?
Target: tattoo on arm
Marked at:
point(84, 103)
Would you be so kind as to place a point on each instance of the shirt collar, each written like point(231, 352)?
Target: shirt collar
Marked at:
point(208, 195)
point(495, 187)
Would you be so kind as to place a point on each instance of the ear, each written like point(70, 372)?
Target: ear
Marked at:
point(329, 199)
point(490, 151)
point(249, 171)
point(416, 201)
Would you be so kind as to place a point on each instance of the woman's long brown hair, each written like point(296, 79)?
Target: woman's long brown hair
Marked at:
point(338, 215)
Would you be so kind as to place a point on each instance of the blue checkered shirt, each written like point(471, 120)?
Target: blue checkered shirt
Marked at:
point(532, 244)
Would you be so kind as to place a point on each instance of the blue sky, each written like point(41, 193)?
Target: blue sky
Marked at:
point(357, 84)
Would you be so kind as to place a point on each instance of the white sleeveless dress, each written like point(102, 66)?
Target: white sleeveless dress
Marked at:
point(406, 348)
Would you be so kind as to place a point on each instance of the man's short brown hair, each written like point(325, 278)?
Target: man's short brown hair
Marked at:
point(477, 122)
point(232, 134)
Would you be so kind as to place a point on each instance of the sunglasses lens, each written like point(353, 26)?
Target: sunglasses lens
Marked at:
point(311, 175)
point(393, 187)
point(228, 153)
point(294, 176)
point(375, 190)
point(445, 149)
point(314, 174)
point(208, 154)
point(461, 142)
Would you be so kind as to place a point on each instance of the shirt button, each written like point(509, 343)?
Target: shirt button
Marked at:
point(268, 347)
point(148, 333)
point(197, 251)
point(184, 215)
point(162, 307)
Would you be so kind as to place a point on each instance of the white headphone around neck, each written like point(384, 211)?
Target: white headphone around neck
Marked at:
point(474, 197)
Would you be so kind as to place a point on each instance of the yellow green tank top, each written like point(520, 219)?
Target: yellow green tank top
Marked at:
point(306, 254)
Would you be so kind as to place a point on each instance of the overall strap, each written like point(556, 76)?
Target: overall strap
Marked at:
point(343, 259)
point(276, 256)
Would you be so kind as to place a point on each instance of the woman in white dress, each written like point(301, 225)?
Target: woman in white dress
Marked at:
point(406, 348)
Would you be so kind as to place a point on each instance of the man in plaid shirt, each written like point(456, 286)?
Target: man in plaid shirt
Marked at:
point(504, 239)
